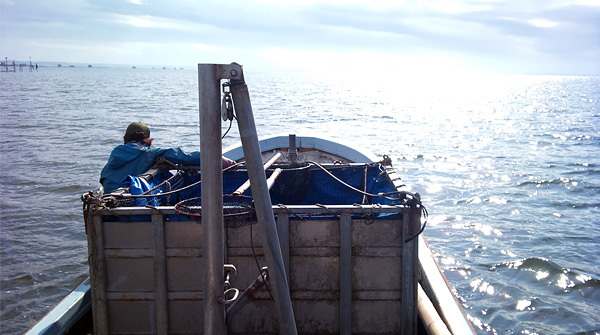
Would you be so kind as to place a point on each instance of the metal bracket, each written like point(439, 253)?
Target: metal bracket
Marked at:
point(228, 268)
point(231, 71)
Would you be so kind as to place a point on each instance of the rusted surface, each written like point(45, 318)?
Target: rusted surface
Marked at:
point(314, 265)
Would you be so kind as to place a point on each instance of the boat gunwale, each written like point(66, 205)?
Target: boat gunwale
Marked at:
point(277, 209)
point(74, 305)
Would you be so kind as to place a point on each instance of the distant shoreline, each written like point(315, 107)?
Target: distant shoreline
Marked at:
point(21, 63)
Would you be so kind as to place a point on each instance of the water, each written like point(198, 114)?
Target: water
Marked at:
point(508, 167)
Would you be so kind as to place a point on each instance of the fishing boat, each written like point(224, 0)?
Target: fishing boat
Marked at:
point(302, 235)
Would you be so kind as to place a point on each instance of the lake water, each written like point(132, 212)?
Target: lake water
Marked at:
point(508, 168)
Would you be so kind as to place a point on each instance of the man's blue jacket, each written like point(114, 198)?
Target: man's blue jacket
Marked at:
point(133, 159)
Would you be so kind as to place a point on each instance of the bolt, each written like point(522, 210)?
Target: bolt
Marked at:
point(233, 72)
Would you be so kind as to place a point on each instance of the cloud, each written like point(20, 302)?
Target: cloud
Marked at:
point(542, 23)
point(148, 21)
point(555, 36)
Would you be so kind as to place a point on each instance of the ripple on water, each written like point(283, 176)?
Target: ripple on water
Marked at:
point(511, 180)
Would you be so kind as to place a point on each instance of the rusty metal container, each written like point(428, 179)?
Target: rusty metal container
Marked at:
point(348, 266)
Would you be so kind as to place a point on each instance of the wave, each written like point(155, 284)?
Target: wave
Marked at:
point(575, 205)
point(532, 263)
point(571, 184)
point(592, 283)
point(19, 279)
point(554, 275)
point(478, 200)
point(537, 183)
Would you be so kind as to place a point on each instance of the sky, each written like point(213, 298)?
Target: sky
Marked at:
point(418, 36)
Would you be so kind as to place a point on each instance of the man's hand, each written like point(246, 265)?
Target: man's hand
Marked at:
point(227, 162)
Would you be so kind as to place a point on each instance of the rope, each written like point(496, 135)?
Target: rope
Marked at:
point(164, 182)
point(228, 129)
point(144, 195)
point(258, 265)
point(379, 195)
point(417, 234)
point(371, 216)
point(415, 198)
point(414, 201)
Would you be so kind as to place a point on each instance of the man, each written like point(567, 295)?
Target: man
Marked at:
point(136, 156)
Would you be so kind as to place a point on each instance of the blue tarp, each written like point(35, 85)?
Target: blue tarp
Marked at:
point(321, 188)
point(293, 187)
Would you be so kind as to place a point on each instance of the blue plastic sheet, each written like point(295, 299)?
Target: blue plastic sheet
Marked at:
point(321, 188)
point(138, 186)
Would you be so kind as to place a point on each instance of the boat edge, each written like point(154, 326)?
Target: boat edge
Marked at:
point(66, 313)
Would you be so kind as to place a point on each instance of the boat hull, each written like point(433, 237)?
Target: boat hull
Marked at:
point(343, 269)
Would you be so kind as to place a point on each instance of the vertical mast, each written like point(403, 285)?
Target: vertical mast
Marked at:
point(212, 198)
point(263, 207)
point(209, 78)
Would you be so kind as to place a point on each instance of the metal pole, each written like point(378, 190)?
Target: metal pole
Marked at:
point(246, 185)
point(292, 153)
point(264, 211)
point(212, 199)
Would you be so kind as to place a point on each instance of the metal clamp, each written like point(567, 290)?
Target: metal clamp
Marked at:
point(226, 301)
point(229, 268)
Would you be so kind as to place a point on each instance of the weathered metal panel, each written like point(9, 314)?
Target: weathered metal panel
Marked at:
point(377, 273)
point(246, 321)
point(186, 316)
point(183, 234)
point(377, 317)
point(160, 275)
point(184, 274)
point(97, 274)
point(409, 275)
point(377, 233)
point(128, 235)
point(314, 233)
point(131, 317)
point(374, 259)
point(129, 274)
point(314, 273)
point(315, 277)
point(317, 316)
point(345, 305)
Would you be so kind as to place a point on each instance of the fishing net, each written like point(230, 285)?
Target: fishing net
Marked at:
point(292, 185)
point(237, 210)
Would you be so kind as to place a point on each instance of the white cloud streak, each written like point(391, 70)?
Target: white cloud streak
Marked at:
point(507, 35)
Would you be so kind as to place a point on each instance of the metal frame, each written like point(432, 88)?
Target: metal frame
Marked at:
point(209, 80)
point(157, 219)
